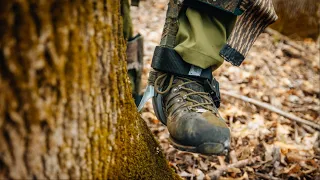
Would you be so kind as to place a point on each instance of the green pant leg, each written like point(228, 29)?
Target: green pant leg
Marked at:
point(201, 35)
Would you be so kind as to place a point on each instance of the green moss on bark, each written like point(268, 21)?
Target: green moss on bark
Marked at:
point(65, 105)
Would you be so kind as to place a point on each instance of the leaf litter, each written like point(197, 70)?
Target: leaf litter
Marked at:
point(277, 71)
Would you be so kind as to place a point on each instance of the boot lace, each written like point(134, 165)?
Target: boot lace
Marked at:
point(207, 103)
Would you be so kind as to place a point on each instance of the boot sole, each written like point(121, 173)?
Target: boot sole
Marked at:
point(205, 148)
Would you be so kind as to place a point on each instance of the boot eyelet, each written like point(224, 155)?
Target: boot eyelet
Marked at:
point(189, 108)
point(175, 90)
point(179, 87)
point(184, 97)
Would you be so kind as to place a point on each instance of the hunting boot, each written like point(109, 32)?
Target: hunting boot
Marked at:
point(135, 65)
point(191, 114)
point(186, 98)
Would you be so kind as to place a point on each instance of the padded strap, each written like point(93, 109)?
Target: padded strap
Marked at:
point(169, 61)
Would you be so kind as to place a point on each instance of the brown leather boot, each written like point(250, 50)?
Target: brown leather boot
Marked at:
point(191, 115)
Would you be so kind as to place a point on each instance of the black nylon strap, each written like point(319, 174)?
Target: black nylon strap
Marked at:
point(169, 61)
point(213, 89)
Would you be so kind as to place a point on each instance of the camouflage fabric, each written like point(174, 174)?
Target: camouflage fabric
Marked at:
point(171, 24)
point(236, 7)
point(247, 29)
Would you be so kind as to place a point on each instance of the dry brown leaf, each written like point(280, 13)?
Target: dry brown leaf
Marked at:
point(233, 172)
point(269, 74)
point(294, 157)
point(293, 169)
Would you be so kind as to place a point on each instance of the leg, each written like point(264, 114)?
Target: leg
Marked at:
point(134, 52)
point(201, 36)
point(185, 95)
point(182, 102)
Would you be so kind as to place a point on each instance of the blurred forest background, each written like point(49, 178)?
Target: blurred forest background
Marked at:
point(282, 70)
point(66, 110)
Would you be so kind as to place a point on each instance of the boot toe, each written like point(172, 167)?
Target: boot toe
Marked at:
point(206, 132)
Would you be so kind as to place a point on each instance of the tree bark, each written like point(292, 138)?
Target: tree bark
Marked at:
point(66, 110)
point(298, 19)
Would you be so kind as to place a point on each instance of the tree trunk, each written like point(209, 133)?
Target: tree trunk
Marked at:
point(297, 18)
point(65, 105)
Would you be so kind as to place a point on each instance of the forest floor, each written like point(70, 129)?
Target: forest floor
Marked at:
point(265, 145)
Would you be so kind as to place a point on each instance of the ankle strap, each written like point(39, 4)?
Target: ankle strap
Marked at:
point(169, 61)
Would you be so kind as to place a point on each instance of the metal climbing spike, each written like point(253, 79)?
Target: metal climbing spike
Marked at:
point(148, 94)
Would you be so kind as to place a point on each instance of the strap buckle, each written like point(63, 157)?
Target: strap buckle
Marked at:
point(213, 89)
point(169, 61)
